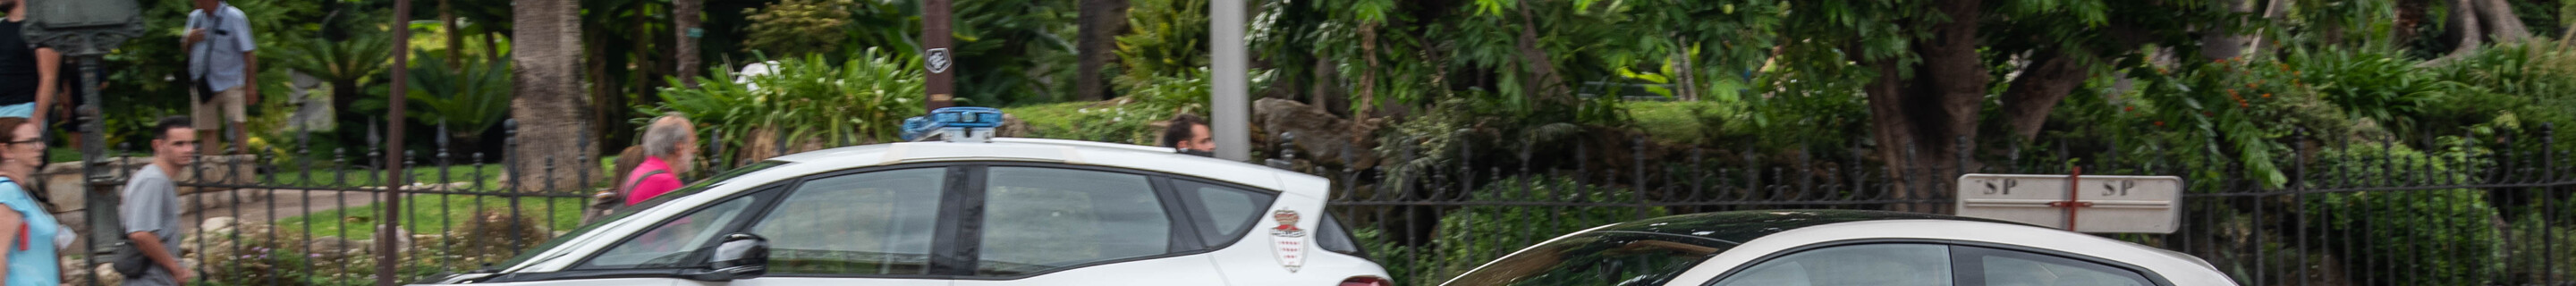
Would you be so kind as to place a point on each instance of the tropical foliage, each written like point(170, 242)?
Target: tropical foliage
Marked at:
point(804, 101)
point(464, 99)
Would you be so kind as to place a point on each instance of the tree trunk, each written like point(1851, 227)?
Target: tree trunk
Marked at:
point(492, 44)
point(2464, 30)
point(1543, 81)
point(1368, 72)
point(1686, 82)
point(455, 36)
point(2051, 75)
point(1922, 121)
point(684, 47)
point(1095, 46)
point(549, 105)
point(2499, 21)
point(2474, 20)
point(2221, 42)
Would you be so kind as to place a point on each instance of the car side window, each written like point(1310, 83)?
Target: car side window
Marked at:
point(1041, 219)
point(1996, 267)
point(1229, 211)
point(670, 244)
point(875, 223)
point(1852, 265)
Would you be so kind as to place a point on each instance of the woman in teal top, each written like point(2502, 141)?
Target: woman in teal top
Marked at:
point(26, 230)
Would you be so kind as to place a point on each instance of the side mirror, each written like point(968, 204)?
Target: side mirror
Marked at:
point(740, 256)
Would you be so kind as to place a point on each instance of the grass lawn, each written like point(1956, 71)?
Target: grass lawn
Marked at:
point(424, 214)
point(488, 175)
point(73, 154)
point(429, 213)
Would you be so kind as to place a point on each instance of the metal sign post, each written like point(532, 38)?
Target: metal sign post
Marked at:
point(935, 57)
point(86, 30)
point(2076, 202)
point(387, 242)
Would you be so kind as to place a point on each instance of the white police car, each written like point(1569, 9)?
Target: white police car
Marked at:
point(991, 211)
point(1834, 248)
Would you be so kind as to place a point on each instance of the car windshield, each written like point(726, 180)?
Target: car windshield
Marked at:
point(622, 212)
point(1599, 258)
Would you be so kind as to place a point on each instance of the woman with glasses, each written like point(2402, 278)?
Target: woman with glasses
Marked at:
point(27, 230)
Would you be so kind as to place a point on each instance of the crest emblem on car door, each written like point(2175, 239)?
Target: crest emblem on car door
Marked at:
point(1287, 241)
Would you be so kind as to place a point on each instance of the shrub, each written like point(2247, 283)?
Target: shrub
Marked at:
point(797, 27)
point(1168, 38)
point(258, 254)
point(807, 101)
point(2445, 238)
point(1472, 235)
point(467, 98)
point(2531, 248)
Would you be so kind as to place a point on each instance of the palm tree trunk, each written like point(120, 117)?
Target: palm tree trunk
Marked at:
point(455, 37)
point(1102, 21)
point(684, 48)
point(550, 105)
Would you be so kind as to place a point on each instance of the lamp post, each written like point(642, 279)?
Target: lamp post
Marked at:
point(85, 30)
point(1230, 99)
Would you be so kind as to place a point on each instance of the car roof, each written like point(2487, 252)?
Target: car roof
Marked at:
point(1742, 226)
point(1124, 156)
point(1754, 233)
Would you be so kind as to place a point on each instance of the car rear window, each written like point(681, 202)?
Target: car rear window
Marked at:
point(1229, 212)
point(1336, 238)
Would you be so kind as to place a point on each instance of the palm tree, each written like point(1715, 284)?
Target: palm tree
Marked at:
point(550, 106)
point(1101, 22)
point(684, 52)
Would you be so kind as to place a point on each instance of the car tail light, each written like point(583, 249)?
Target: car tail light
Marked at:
point(1365, 281)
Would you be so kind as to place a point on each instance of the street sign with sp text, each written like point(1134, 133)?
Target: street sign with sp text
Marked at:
point(2090, 204)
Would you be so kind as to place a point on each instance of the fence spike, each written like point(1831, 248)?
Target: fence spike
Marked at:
point(408, 159)
point(478, 172)
point(1637, 173)
point(510, 155)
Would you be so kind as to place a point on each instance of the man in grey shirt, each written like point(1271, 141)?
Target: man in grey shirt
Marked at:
point(151, 210)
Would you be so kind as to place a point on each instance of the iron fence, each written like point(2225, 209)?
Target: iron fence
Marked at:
point(2370, 210)
point(293, 216)
point(2425, 210)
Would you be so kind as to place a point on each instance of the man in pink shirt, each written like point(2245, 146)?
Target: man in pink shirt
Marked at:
point(670, 146)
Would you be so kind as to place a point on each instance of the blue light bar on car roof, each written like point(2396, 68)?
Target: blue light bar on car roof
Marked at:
point(955, 124)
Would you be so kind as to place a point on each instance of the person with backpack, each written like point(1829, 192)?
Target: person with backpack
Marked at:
point(670, 147)
point(150, 214)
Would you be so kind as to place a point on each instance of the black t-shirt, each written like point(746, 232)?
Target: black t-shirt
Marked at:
point(18, 76)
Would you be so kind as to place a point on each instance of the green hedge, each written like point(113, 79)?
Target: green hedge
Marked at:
point(1470, 236)
point(2409, 237)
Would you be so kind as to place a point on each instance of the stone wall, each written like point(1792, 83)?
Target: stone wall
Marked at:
point(62, 182)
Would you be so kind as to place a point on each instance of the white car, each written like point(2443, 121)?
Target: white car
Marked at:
point(1837, 247)
point(1007, 212)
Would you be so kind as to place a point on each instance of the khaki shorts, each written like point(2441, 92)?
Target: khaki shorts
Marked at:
point(229, 102)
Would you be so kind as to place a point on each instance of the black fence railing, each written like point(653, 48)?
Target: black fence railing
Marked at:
point(292, 216)
point(2428, 210)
